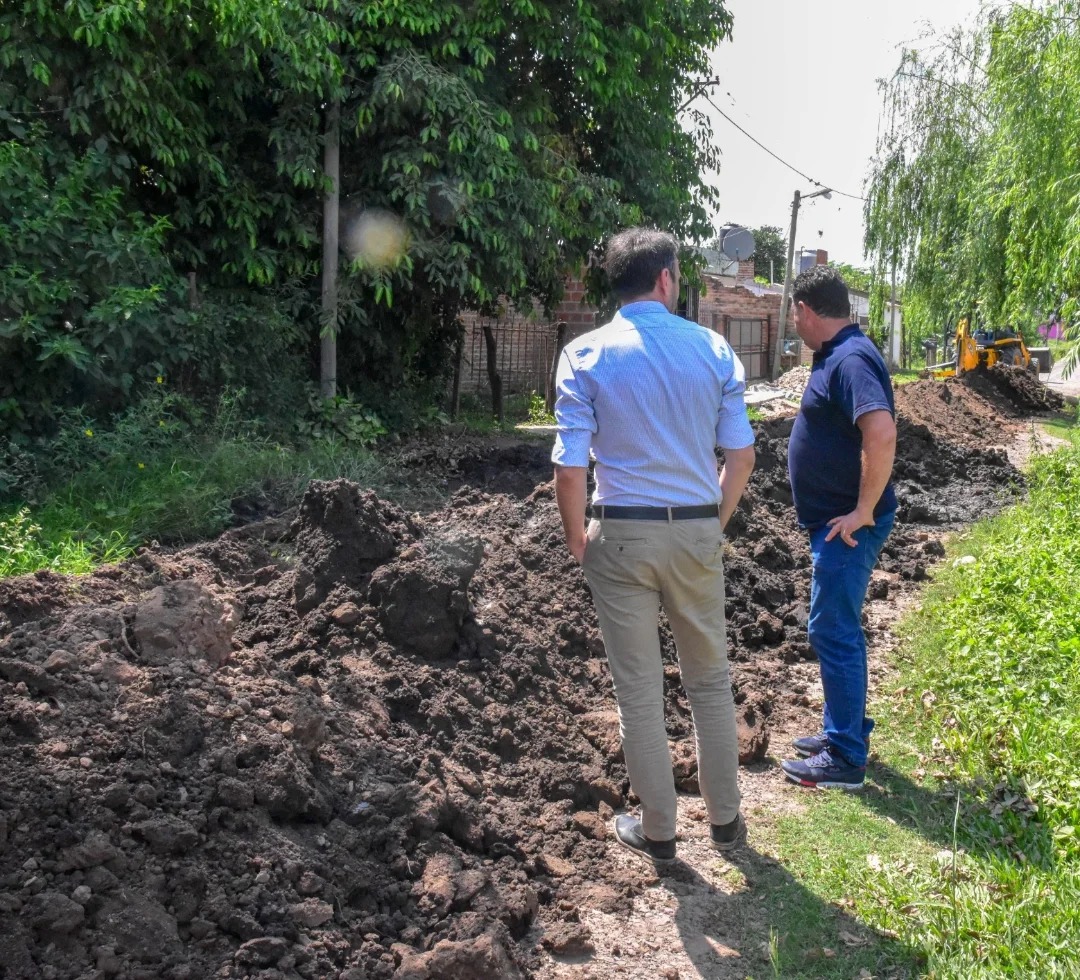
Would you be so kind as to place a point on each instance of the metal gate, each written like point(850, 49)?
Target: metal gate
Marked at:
point(523, 349)
point(749, 338)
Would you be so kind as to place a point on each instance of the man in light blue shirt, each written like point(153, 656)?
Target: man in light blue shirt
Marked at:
point(651, 396)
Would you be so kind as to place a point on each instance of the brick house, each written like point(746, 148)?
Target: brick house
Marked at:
point(729, 302)
point(746, 313)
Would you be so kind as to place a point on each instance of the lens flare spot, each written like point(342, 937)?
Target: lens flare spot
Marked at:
point(379, 238)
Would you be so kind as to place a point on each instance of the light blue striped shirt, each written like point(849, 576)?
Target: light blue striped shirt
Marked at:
point(651, 395)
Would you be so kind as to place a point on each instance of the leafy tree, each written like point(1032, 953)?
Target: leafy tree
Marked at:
point(769, 243)
point(973, 190)
point(856, 278)
point(507, 138)
point(770, 254)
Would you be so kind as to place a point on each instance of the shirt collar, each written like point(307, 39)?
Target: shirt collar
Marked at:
point(643, 306)
point(849, 331)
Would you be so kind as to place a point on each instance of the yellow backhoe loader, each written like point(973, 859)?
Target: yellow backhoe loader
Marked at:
point(985, 347)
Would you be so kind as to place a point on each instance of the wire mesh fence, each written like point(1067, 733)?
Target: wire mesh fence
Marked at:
point(523, 353)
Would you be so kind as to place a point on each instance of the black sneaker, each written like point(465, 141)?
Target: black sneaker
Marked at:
point(628, 833)
point(728, 836)
point(825, 771)
point(809, 745)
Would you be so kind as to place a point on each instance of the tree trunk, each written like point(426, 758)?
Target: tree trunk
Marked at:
point(905, 354)
point(560, 342)
point(892, 320)
point(455, 391)
point(328, 324)
point(493, 373)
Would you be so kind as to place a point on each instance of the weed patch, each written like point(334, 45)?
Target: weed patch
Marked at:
point(169, 471)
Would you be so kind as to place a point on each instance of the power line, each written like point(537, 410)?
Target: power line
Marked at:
point(753, 139)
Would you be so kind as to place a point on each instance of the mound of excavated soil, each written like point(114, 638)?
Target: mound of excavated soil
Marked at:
point(956, 411)
point(1013, 390)
point(367, 744)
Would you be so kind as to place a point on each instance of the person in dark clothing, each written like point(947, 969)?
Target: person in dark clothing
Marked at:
point(840, 461)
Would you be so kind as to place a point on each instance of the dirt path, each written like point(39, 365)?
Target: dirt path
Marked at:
point(710, 916)
point(1031, 440)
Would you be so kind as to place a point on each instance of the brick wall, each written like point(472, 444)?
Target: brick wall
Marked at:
point(525, 340)
point(574, 311)
point(720, 305)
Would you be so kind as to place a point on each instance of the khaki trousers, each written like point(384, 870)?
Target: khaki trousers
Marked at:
point(631, 566)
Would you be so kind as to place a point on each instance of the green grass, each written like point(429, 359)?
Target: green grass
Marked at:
point(25, 546)
point(1058, 348)
point(160, 473)
point(982, 729)
point(906, 377)
point(1065, 428)
point(102, 514)
point(170, 471)
point(809, 876)
point(476, 416)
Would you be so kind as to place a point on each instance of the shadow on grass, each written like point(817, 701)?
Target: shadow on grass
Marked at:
point(993, 820)
point(771, 925)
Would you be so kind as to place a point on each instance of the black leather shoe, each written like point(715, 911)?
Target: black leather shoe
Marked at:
point(727, 836)
point(628, 832)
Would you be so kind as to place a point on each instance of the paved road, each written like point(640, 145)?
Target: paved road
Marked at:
point(1057, 381)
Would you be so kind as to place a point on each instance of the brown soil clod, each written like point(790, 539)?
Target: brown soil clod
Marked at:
point(377, 745)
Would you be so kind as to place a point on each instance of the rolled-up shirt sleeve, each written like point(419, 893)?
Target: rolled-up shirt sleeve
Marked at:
point(574, 416)
point(733, 429)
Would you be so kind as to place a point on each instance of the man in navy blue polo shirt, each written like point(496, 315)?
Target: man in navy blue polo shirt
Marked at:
point(840, 460)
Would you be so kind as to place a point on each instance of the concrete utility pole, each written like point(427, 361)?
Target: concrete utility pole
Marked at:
point(781, 329)
point(332, 172)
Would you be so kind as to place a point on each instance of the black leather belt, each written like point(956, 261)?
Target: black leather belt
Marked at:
point(657, 513)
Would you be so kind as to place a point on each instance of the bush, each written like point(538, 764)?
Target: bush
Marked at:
point(92, 309)
point(85, 288)
point(339, 418)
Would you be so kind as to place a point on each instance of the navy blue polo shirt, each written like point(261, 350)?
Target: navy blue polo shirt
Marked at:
point(848, 379)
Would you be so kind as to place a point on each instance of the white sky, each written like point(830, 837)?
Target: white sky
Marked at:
point(801, 77)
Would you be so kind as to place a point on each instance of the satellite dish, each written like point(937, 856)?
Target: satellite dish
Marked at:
point(736, 242)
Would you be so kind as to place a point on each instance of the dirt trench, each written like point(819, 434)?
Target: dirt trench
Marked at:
point(355, 742)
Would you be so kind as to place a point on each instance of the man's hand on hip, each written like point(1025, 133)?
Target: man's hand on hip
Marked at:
point(847, 525)
point(878, 430)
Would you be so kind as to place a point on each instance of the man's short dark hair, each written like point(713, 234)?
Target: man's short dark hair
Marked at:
point(634, 259)
point(824, 291)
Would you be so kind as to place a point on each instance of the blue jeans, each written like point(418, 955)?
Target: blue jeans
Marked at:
point(837, 591)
